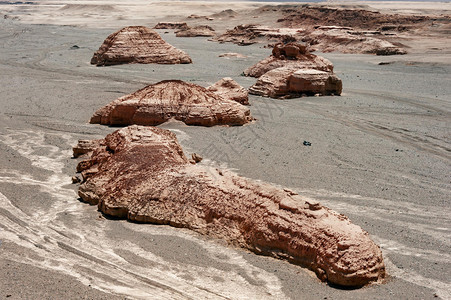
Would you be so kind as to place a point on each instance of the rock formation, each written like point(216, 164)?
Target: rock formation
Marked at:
point(312, 15)
point(137, 44)
point(86, 146)
point(332, 39)
point(232, 55)
point(291, 55)
point(160, 102)
point(244, 35)
point(171, 25)
point(228, 88)
point(141, 174)
point(201, 30)
point(334, 29)
point(291, 82)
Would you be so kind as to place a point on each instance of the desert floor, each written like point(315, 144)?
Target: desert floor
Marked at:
point(380, 154)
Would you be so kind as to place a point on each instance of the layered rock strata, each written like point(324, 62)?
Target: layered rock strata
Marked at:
point(171, 25)
point(201, 30)
point(228, 88)
point(141, 174)
point(291, 55)
point(291, 82)
point(313, 15)
point(172, 99)
point(248, 34)
point(332, 39)
point(137, 44)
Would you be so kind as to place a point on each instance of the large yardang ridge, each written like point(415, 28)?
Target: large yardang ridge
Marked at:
point(137, 44)
point(172, 99)
point(141, 174)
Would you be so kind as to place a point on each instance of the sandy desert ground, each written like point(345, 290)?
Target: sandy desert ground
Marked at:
point(380, 154)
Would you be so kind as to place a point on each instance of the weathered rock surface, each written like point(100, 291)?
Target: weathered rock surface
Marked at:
point(320, 38)
point(86, 146)
point(356, 30)
point(291, 82)
point(311, 82)
point(331, 39)
point(160, 102)
point(201, 30)
point(292, 55)
point(225, 14)
point(228, 88)
point(244, 35)
point(171, 25)
point(232, 54)
point(312, 15)
point(137, 44)
point(142, 174)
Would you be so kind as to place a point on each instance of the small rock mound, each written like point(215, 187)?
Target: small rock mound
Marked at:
point(160, 102)
point(137, 44)
point(171, 25)
point(232, 54)
point(291, 55)
point(292, 51)
point(201, 30)
point(290, 82)
point(331, 39)
point(248, 34)
point(141, 174)
point(228, 88)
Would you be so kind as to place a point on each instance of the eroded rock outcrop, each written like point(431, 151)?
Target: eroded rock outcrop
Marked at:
point(142, 174)
point(137, 44)
point(201, 30)
point(172, 99)
point(228, 88)
point(249, 34)
point(314, 15)
point(332, 39)
point(229, 55)
point(171, 25)
point(291, 55)
point(86, 146)
point(291, 82)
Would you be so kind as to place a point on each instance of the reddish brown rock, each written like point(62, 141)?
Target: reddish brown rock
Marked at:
point(228, 88)
point(194, 16)
point(172, 99)
point(291, 51)
point(313, 15)
point(171, 25)
point(137, 44)
point(331, 39)
point(201, 30)
point(141, 174)
point(86, 146)
point(244, 35)
point(232, 54)
point(312, 82)
point(290, 82)
point(290, 55)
